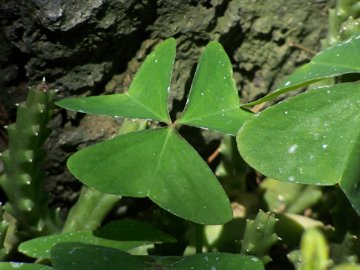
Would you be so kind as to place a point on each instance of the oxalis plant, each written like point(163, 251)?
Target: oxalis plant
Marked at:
point(310, 138)
point(172, 174)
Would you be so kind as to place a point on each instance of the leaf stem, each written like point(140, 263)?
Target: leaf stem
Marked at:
point(199, 238)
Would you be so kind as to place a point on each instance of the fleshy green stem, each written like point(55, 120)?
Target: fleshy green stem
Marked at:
point(3, 229)
point(89, 211)
point(23, 177)
point(199, 234)
point(343, 21)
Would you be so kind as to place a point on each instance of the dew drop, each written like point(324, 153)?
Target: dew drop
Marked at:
point(16, 264)
point(292, 149)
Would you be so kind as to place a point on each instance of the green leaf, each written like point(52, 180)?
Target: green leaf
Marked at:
point(158, 164)
point(348, 266)
point(121, 234)
point(291, 227)
point(40, 247)
point(339, 59)
point(76, 256)
point(147, 95)
point(213, 101)
point(312, 138)
point(287, 197)
point(132, 230)
point(223, 261)
point(314, 251)
point(23, 266)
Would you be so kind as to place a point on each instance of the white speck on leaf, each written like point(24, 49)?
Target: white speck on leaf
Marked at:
point(292, 149)
point(287, 83)
point(324, 146)
point(16, 264)
point(291, 178)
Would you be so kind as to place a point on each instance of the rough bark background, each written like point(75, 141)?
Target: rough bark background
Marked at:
point(88, 47)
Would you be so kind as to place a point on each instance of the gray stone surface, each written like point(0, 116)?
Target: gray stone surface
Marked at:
point(93, 46)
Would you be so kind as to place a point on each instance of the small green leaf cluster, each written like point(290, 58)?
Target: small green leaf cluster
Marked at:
point(260, 236)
